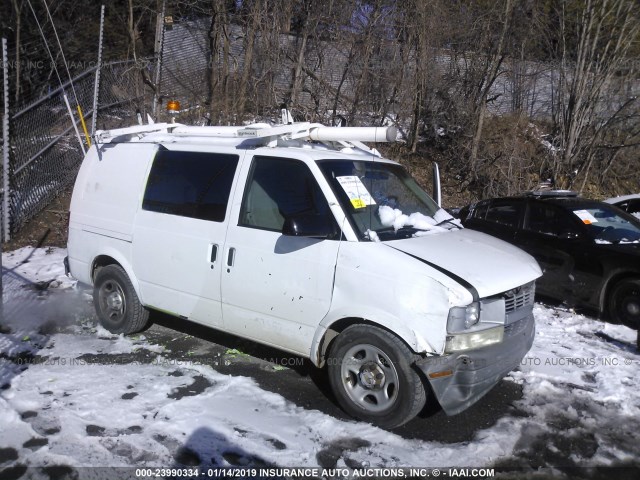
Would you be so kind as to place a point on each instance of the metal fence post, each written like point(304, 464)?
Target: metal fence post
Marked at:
point(5, 146)
point(96, 85)
point(5, 167)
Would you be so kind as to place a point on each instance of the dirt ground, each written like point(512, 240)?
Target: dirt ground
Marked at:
point(47, 228)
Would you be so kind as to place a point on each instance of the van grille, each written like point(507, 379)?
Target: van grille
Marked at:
point(519, 297)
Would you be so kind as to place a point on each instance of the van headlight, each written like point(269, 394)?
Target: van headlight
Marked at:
point(466, 331)
point(463, 318)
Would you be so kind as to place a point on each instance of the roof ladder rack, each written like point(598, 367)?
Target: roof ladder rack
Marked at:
point(271, 134)
point(124, 134)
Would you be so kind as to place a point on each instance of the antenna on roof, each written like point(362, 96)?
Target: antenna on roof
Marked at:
point(340, 121)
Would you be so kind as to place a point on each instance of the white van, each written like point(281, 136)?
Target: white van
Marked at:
point(301, 237)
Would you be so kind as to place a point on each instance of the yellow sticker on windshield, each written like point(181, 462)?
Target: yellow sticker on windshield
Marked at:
point(358, 194)
point(358, 203)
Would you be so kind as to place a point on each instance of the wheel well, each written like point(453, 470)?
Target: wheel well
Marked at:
point(339, 326)
point(101, 261)
point(611, 283)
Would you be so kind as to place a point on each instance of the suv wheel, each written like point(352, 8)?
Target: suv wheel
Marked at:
point(371, 374)
point(117, 305)
point(624, 303)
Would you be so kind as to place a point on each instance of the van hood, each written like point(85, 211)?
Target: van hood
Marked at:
point(490, 265)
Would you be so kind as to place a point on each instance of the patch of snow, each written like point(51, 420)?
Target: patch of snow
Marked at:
point(372, 235)
point(393, 217)
point(581, 397)
point(38, 265)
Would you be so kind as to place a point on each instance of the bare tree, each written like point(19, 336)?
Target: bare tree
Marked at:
point(220, 62)
point(596, 40)
point(491, 69)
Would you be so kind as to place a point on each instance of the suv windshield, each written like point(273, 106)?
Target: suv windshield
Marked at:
point(383, 202)
point(606, 225)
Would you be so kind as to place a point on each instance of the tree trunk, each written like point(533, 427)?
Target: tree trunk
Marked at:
point(248, 56)
point(297, 74)
point(218, 66)
point(491, 74)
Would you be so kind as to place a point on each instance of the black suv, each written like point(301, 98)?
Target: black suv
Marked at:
point(589, 251)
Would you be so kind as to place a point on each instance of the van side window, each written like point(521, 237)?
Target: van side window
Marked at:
point(277, 188)
point(190, 184)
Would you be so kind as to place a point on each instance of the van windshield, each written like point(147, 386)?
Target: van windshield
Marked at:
point(383, 202)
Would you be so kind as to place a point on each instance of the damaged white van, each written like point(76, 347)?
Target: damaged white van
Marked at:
point(301, 237)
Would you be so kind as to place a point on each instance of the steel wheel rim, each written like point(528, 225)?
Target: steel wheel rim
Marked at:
point(629, 305)
point(112, 301)
point(369, 378)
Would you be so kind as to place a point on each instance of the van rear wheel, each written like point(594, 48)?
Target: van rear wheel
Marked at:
point(116, 302)
point(371, 374)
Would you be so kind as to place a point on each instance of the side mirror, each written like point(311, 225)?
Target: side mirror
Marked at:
point(437, 193)
point(308, 225)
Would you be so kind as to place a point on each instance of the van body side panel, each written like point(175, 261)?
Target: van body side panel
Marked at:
point(104, 204)
point(87, 246)
point(108, 196)
point(384, 286)
point(171, 257)
point(278, 288)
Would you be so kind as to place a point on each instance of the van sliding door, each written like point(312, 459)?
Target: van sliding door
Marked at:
point(180, 230)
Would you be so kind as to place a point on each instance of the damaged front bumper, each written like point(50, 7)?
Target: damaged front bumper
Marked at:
point(460, 379)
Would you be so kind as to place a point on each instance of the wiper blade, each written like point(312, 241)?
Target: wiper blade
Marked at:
point(404, 231)
point(450, 221)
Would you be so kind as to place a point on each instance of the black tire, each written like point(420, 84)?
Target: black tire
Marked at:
point(371, 374)
point(624, 303)
point(116, 302)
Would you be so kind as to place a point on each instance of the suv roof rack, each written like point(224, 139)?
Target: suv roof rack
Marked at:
point(551, 193)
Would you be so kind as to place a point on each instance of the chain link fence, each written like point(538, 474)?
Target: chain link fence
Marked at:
point(44, 150)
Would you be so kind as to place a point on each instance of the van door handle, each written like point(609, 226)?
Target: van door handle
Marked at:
point(231, 256)
point(213, 255)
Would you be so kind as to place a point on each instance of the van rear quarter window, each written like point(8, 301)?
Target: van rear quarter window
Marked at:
point(190, 184)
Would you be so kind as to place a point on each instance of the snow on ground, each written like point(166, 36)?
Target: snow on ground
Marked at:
point(90, 398)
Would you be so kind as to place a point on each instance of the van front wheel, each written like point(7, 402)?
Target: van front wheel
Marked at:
point(371, 374)
point(116, 302)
